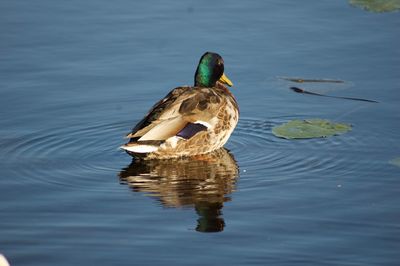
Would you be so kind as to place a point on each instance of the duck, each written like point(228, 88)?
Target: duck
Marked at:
point(189, 120)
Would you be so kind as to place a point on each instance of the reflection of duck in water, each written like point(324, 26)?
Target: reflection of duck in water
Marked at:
point(189, 120)
point(203, 181)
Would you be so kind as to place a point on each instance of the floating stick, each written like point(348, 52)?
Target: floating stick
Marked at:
point(299, 90)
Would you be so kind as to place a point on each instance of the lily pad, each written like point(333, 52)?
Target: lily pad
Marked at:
point(310, 128)
point(395, 161)
point(377, 6)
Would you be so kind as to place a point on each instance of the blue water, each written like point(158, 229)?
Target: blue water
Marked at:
point(76, 76)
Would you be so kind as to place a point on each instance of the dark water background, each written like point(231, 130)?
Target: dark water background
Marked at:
point(76, 76)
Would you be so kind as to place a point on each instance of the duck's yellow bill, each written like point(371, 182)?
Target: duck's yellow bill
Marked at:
point(224, 79)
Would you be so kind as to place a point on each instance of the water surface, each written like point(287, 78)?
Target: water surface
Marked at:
point(75, 77)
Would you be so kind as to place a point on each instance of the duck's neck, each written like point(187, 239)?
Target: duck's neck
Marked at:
point(225, 89)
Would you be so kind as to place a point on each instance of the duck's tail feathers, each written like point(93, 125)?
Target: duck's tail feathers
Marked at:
point(142, 146)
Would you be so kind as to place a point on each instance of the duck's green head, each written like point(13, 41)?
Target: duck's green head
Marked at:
point(210, 70)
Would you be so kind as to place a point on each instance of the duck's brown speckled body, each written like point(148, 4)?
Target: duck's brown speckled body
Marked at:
point(189, 120)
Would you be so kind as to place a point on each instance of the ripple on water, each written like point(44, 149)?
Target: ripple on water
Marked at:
point(77, 156)
point(74, 156)
point(260, 153)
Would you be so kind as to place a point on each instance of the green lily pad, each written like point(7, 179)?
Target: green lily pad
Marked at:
point(395, 161)
point(377, 6)
point(310, 128)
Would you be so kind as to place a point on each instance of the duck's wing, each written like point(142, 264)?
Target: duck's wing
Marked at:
point(183, 112)
point(152, 118)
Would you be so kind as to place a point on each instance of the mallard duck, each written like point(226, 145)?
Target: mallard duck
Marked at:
point(190, 120)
